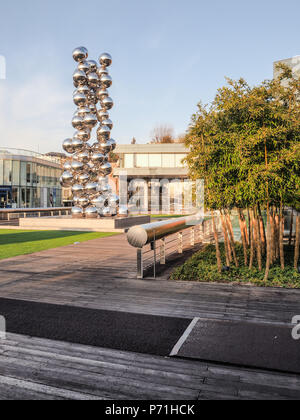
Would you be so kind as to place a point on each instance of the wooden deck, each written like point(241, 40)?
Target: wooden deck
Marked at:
point(101, 274)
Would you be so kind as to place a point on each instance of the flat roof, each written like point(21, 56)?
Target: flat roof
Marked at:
point(151, 148)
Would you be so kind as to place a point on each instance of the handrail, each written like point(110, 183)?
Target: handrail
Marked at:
point(139, 236)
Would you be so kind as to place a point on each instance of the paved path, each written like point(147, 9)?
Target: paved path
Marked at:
point(101, 274)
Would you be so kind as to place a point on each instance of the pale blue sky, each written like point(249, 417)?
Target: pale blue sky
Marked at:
point(168, 55)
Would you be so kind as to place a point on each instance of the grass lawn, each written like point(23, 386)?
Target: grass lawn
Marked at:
point(202, 267)
point(21, 242)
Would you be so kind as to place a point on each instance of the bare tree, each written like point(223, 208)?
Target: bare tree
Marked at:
point(162, 134)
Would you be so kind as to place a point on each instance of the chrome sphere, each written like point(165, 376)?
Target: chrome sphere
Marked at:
point(79, 99)
point(102, 180)
point(68, 146)
point(80, 54)
point(106, 212)
point(113, 144)
point(106, 168)
point(93, 66)
point(78, 145)
point(102, 115)
point(98, 201)
point(92, 98)
point(107, 103)
point(67, 166)
point(76, 199)
point(83, 157)
point(114, 200)
point(96, 147)
point(91, 212)
point(102, 71)
point(101, 94)
point(85, 90)
point(79, 77)
point(98, 158)
point(77, 122)
point(103, 132)
point(105, 81)
point(105, 60)
point(93, 109)
point(93, 80)
point(83, 111)
point(106, 189)
point(90, 121)
point(83, 202)
point(91, 188)
point(83, 66)
point(77, 166)
point(83, 135)
point(78, 190)
point(105, 147)
point(123, 211)
point(83, 178)
point(77, 212)
point(108, 123)
point(67, 179)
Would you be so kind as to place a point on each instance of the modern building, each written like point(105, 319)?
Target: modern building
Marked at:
point(29, 180)
point(293, 63)
point(155, 164)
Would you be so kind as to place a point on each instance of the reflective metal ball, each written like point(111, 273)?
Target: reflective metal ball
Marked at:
point(67, 166)
point(83, 178)
point(103, 133)
point(102, 71)
point(93, 80)
point(107, 103)
point(78, 145)
point(83, 135)
point(77, 212)
point(98, 158)
point(98, 201)
point(105, 147)
point(68, 146)
point(91, 212)
point(80, 54)
point(83, 157)
point(108, 123)
point(83, 111)
point(84, 89)
point(83, 202)
point(77, 122)
point(106, 168)
point(83, 66)
point(102, 115)
point(67, 179)
point(90, 120)
point(105, 59)
point(78, 190)
point(105, 81)
point(77, 166)
point(79, 99)
point(91, 188)
point(93, 66)
point(79, 77)
point(101, 94)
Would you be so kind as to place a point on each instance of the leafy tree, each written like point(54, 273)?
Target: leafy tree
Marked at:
point(246, 147)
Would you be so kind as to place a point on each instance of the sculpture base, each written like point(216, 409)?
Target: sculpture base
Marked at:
point(107, 224)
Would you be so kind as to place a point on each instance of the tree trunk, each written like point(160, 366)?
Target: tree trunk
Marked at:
point(273, 237)
point(268, 262)
point(249, 226)
point(277, 235)
point(291, 228)
point(226, 240)
point(258, 240)
point(262, 231)
point(231, 237)
point(251, 241)
point(297, 243)
point(218, 254)
point(281, 233)
point(244, 240)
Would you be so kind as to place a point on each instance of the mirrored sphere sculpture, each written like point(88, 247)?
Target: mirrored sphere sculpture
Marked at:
point(88, 169)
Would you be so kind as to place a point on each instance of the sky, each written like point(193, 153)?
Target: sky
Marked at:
point(168, 55)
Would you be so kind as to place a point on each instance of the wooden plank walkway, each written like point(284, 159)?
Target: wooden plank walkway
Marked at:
point(101, 274)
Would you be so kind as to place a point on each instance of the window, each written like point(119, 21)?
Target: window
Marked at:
point(178, 160)
point(168, 160)
point(155, 161)
point(129, 161)
point(142, 161)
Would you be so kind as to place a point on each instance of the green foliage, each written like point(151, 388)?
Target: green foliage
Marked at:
point(202, 267)
point(246, 145)
point(22, 242)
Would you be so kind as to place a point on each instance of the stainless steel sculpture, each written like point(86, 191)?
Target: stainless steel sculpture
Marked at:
point(88, 170)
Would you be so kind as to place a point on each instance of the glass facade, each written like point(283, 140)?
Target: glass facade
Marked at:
point(29, 184)
point(154, 160)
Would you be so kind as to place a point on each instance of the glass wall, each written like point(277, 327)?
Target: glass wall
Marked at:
point(153, 160)
point(25, 184)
